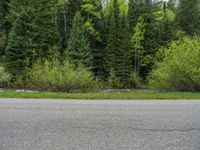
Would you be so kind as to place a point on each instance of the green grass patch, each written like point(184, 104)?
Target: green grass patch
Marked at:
point(103, 95)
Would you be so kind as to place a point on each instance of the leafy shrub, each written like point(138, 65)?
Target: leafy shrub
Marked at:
point(135, 81)
point(114, 81)
point(56, 76)
point(180, 68)
point(4, 76)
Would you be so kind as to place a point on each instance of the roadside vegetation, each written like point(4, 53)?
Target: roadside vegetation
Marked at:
point(85, 46)
point(142, 95)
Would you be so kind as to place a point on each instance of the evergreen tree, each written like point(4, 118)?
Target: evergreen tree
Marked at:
point(79, 50)
point(33, 32)
point(113, 38)
point(5, 24)
point(188, 16)
point(136, 9)
point(152, 41)
point(123, 55)
point(171, 5)
point(166, 27)
point(18, 51)
point(94, 24)
point(66, 12)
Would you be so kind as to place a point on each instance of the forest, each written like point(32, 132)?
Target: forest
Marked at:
point(84, 45)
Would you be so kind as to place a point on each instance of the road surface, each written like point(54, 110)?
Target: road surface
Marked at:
point(99, 125)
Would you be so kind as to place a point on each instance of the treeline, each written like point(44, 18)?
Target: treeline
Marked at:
point(119, 41)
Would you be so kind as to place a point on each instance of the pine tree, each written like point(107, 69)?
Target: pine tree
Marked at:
point(171, 5)
point(94, 24)
point(18, 51)
point(113, 38)
point(152, 41)
point(78, 47)
point(5, 24)
point(136, 9)
point(166, 27)
point(66, 12)
point(33, 33)
point(123, 55)
point(188, 16)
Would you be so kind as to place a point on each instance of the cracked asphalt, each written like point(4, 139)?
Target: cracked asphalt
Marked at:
point(99, 125)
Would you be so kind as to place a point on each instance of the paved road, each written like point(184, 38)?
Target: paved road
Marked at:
point(99, 125)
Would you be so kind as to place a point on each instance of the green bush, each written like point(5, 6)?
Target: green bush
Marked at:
point(114, 81)
point(56, 76)
point(135, 80)
point(4, 77)
point(180, 67)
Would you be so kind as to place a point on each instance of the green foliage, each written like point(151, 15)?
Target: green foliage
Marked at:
point(113, 38)
point(114, 80)
point(97, 34)
point(79, 50)
point(136, 44)
point(135, 81)
point(56, 76)
point(5, 24)
point(32, 34)
point(4, 76)
point(66, 10)
point(19, 49)
point(123, 63)
point(188, 16)
point(180, 68)
point(167, 24)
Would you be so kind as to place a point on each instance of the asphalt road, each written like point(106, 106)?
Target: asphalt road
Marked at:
point(99, 125)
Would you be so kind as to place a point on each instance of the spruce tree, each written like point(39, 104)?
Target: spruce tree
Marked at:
point(79, 50)
point(152, 41)
point(136, 9)
point(5, 24)
point(66, 12)
point(113, 38)
point(18, 51)
point(166, 27)
point(188, 16)
point(94, 24)
point(123, 55)
point(33, 32)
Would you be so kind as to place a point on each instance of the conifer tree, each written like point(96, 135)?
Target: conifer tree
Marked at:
point(5, 24)
point(188, 16)
point(123, 55)
point(166, 27)
point(33, 33)
point(92, 13)
point(18, 51)
point(113, 38)
point(136, 9)
point(66, 12)
point(79, 50)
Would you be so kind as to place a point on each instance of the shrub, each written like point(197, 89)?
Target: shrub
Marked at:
point(135, 80)
point(114, 81)
point(56, 76)
point(4, 77)
point(180, 68)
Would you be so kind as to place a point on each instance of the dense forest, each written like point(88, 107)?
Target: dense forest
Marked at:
point(65, 45)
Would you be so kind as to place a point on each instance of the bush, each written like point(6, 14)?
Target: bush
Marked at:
point(56, 76)
point(180, 68)
point(4, 77)
point(135, 80)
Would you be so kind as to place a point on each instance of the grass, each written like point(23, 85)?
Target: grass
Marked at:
point(104, 95)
